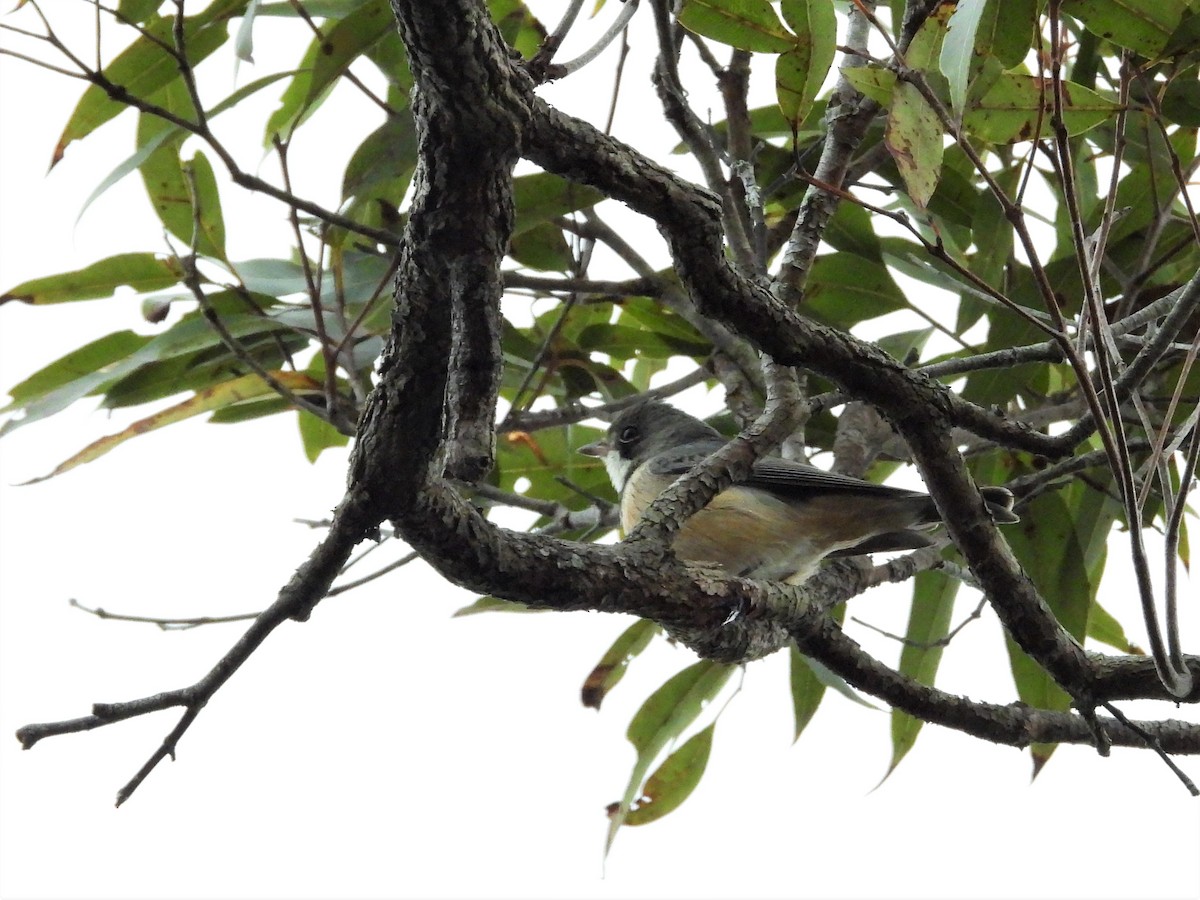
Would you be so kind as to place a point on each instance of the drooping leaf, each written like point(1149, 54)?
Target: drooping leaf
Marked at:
point(958, 48)
point(317, 435)
point(1006, 31)
point(245, 388)
point(171, 133)
point(1104, 627)
point(807, 691)
point(928, 623)
point(542, 247)
point(673, 782)
point(551, 463)
point(660, 720)
point(324, 63)
point(1061, 543)
point(613, 664)
point(914, 139)
point(801, 70)
point(387, 156)
point(144, 67)
point(518, 26)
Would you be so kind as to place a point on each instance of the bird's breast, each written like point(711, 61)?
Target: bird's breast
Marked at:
point(747, 531)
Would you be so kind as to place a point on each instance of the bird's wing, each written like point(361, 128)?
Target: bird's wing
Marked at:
point(787, 477)
point(773, 473)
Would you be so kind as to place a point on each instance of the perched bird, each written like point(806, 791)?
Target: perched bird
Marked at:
point(783, 520)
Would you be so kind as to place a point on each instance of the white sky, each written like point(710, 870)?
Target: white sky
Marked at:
point(384, 749)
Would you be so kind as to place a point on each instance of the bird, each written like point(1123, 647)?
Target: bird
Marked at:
point(780, 522)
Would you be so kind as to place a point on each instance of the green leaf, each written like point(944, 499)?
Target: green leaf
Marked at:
point(928, 623)
point(317, 435)
point(1181, 101)
point(206, 207)
point(746, 24)
point(518, 26)
point(958, 48)
point(874, 83)
point(317, 9)
point(914, 139)
point(197, 371)
point(144, 67)
point(492, 604)
point(1009, 111)
point(673, 781)
point(1138, 25)
point(661, 321)
point(215, 397)
point(250, 409)
point(661, 719)
point(800, 71)
point(89, 358)
point(626, 342)
point(1104, 627)
point(613, 664)
point(190, 334)
point(547, 456)
point(832, 679)
point(171, 133)
point(903, 344)
point(844, 290)
point(543, 196)
point(325, 62)
point(1006, 31)
point(184, 194)
point(1060, 542)
point(926, 46)
point(141, 271)
point(807, 691)
point(386, 157)
point(852, 230)
point(138, 10)
point(542, 247)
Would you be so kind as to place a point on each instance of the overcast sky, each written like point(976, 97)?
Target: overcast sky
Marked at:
point(384, 749)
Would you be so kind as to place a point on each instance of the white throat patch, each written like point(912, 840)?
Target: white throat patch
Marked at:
point(618, 469)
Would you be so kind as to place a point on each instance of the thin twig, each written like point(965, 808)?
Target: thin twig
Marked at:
point(1153, 743)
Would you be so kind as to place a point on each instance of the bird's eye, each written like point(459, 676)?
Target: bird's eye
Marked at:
point(628, 435)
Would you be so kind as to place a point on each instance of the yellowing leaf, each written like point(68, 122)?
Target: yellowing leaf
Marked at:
point(611, 668)
point(216, 397)
point(914, 139)
point(876, 84)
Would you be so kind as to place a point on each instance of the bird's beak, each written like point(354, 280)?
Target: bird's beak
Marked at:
point(598, 448)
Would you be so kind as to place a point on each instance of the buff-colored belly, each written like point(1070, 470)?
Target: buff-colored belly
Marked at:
point(751, 533)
